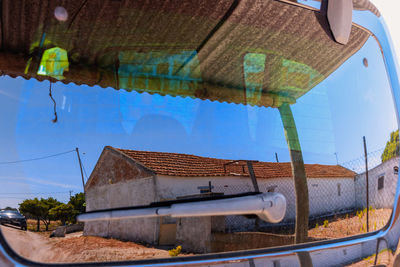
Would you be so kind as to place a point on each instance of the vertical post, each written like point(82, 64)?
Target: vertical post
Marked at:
point(298, 172)
point(366, 180)
point(80, 166)
point(253, 176)
point(276, 157)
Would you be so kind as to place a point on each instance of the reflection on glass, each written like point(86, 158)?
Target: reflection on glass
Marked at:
point(54, 62)
point(161, 149)
point(160, 72)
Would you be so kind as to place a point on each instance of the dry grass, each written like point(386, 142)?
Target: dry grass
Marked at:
point(352, 224)
point(31, 225)
point(385, 258)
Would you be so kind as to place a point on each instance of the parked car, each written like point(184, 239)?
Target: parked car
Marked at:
point(13, 217)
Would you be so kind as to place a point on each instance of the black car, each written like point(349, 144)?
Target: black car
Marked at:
point(13, 217)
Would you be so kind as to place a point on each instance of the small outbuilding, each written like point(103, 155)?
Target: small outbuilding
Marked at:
point(124, 178)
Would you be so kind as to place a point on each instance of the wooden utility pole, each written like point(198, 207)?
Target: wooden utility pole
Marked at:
point(80, 166)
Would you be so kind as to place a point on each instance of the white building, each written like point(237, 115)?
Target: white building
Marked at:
point(382, 184)
point(128, 178)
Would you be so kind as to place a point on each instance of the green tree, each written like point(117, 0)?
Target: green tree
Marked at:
point(49, 203)
point(33, 208)
point(392, 148)
point(39, 210)
point(63, 212)
point(78, 202)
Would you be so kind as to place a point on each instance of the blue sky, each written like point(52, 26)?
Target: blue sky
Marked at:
point(331, 118)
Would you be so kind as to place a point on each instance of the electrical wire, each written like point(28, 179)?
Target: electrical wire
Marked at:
point(35, 193)
point(84, 171)
point(33, 159)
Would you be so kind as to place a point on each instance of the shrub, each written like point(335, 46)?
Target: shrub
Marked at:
point(175, 251)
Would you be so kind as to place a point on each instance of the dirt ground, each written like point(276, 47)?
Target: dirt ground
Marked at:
point(75, 247)
point(352, 225)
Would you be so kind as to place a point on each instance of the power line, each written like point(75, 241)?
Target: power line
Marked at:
point(45, 157)
point(35, 193)
point(84, 171)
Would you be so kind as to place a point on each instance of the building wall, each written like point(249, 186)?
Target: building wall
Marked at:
point(384, 197)
point(114, 188)
point(323, 193)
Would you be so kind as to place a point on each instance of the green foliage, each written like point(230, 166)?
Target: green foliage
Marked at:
point(39, 209)
point(392, 148)
point(78, 202)
point(316, 226)
point(31, 208)
point(63, 212)
point(51, 209)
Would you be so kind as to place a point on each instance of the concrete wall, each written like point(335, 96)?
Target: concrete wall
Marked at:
point(117, 186)
point(384, 197)
point(194, 234)
point(323, 193)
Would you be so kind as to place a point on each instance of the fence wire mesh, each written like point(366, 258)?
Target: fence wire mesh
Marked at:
point(332, 200)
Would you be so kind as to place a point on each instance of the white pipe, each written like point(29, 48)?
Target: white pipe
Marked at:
point(270, 207)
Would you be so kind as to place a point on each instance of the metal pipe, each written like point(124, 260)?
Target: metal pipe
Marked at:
point(270, 207)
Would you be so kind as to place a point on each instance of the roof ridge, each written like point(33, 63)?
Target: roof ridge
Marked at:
point(180, 164)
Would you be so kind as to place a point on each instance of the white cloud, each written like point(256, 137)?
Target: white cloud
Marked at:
point(29, 180)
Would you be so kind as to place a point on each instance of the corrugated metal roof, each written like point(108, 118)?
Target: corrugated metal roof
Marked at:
point(101, 37)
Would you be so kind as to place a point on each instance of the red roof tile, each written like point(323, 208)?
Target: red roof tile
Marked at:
point(175, 164)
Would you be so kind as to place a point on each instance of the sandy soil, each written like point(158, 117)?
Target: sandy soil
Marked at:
point(76, 248)
point(352, 225)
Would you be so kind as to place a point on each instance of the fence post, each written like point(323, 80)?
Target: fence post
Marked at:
point(366, 180)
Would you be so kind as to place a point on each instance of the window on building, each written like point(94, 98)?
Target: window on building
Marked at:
point(338, 190)
point(396, 170)
point(380, 182)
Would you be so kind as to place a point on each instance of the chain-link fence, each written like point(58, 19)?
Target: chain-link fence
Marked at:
point(331, 199)
point(358, 164)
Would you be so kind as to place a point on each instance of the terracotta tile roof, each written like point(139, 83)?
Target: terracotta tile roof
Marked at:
point(175, 164)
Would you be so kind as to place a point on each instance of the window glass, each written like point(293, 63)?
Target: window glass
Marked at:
point(226, 148)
